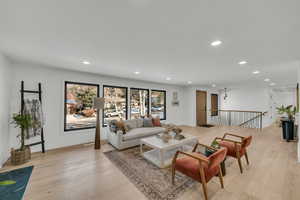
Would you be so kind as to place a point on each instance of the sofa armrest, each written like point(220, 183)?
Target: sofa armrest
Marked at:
point(114, 137)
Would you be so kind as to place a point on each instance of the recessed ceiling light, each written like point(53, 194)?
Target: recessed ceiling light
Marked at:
point(168, 78)
point(86, 62)
point(216, 43)
point(272, 84)
point(137, 72)
point(189, 82)
point(267, 80)
point(213, 85)
point(256, 72)
point(243, 62)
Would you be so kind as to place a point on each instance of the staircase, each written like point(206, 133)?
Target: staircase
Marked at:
point(238, 118)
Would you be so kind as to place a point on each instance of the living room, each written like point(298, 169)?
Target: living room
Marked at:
point(172, 78)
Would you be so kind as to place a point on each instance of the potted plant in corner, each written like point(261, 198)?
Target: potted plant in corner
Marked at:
point(23, 154)
point(287, 121)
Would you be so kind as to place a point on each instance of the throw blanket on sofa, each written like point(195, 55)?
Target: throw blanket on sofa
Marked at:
point(33, 108)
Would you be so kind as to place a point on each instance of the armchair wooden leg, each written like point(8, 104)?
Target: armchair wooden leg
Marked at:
point(203, 182)
point(173, 167)
point(240, 164)
point(173, 174)
point(246, 156)
point(221, 177)
point(239, 157)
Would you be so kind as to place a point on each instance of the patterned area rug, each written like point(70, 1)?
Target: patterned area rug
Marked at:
point(13, 183)
point(153, 182)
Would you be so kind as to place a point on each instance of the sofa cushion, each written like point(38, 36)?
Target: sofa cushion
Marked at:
point(140, 123)
point(131, 124)
point(142, 132)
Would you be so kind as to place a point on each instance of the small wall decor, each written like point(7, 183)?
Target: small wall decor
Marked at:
point(225, 93)
point(175, 101)
point(297, 93)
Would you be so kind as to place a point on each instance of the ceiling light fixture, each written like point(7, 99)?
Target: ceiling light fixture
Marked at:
point(272, 84)
point(256, 72)
point(213, 85)
point(189, 82)
point(243, 62)
point(137, 72)
point(168, 78)
point(216, 43)
point(267, 80)
point(86, 62)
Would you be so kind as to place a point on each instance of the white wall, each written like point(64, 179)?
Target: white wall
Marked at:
point(190, 94)
point(245, 98)
point(4, 108)
point(52, 80)
point(248, 98)
point(281, 96)
point(298, 120)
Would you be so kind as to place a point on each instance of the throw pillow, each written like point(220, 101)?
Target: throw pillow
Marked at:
point(121, 126)
point(156, 121)
point(112, 126)
point(132, 123)
point(140, 123)
point(148, 122)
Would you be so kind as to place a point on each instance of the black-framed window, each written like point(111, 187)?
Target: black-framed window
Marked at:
point(158, 104)
point(115, 106)
point(139, 103)
point(79, 113)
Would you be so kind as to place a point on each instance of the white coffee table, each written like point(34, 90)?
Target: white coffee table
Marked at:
point(162, 153)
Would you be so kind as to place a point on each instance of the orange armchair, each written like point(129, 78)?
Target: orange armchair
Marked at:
point(236, 149)
point(200, 167)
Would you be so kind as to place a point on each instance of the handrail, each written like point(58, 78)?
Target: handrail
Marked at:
point(248, 111)
point(254, 118)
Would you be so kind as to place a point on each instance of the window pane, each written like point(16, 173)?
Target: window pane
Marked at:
point(158, 104)
point(115, 106)
point(79, 112)
point(139, 103)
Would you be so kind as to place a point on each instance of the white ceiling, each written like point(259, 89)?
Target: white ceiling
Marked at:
point(159, 38)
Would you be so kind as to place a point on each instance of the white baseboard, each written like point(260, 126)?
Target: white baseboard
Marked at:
point(4, 159)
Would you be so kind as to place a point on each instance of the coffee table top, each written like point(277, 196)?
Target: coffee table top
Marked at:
point(158, 143)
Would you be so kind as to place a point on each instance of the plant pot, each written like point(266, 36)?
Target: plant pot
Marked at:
point(287, 129)
point(19, 157)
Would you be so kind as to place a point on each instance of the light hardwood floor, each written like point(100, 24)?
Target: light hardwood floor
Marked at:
point(80, 172)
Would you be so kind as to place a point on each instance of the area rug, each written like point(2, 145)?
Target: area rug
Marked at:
point(207, 126)
point(153, 182)
point(13, 183)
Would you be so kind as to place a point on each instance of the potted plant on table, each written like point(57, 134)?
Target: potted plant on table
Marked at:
point(287, 122)
point(23, 154)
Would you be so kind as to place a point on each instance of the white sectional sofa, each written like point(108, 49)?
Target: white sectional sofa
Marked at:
point(133, 136)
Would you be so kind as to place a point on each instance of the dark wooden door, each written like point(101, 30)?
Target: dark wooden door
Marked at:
point(201, 115)
point(214, 104)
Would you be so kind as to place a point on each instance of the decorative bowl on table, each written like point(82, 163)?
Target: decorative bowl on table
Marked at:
point(179, 137)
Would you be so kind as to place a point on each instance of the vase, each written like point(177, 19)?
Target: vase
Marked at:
point(165, 137)
point(287, 129)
